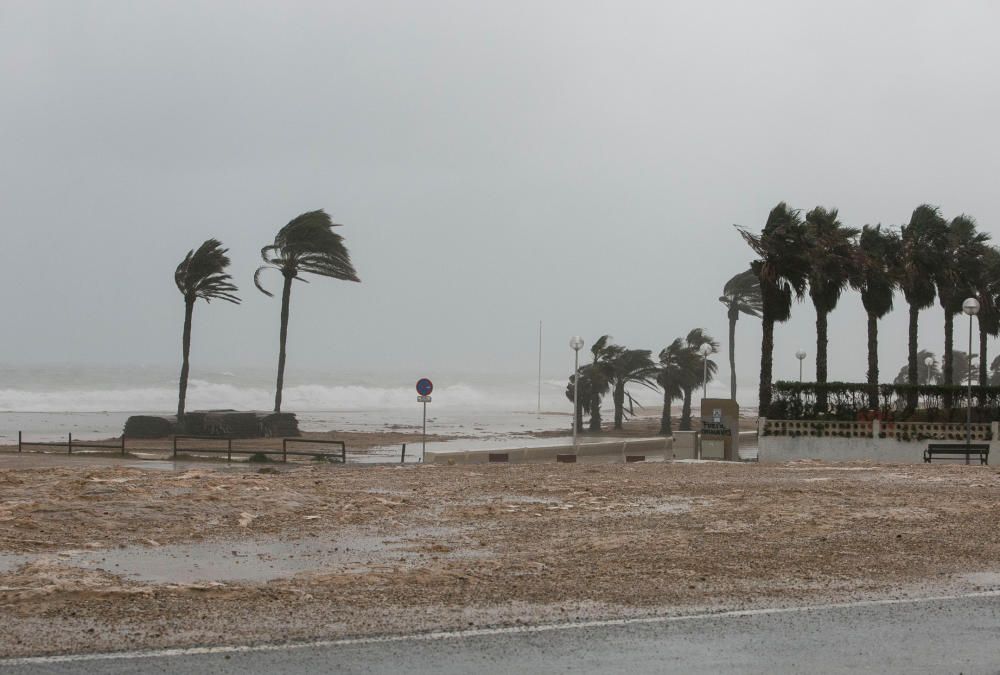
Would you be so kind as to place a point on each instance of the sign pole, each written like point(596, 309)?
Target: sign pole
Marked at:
point(424, 389)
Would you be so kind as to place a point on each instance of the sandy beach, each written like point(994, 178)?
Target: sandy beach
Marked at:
point(108, 557)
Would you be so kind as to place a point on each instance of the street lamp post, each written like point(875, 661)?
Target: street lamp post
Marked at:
point(801, 356)
point(970, 307)
point(929, 362)
point(575, 343)
point(706, 351)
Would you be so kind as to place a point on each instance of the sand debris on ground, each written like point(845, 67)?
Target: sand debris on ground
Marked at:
point(450, 547)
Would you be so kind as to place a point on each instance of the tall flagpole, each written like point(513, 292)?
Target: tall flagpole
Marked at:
point(539, 367)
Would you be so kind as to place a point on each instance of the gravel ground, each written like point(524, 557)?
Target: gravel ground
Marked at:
point(402, 549)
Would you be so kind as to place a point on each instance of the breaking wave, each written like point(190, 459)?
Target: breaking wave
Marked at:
point(210, 395)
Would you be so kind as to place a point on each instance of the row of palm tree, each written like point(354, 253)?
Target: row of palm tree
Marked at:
point(682, 367)
point(307, 244)
point(929, 258)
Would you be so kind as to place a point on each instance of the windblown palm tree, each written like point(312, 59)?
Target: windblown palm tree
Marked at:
point(964, 367)
point(741, 295)
point(957, 277)
point(628, 366)
point(922, 243)
point(582, 394)
point(926, 375)
point(832, 262)
point(200, 275)
point(875, 276)
point(782, 267)
point(306, 244)
point(994, 380)
point(674, 371)
point(599, 378)
point(696, 367)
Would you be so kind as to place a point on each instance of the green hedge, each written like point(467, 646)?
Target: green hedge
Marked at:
point(848, 401)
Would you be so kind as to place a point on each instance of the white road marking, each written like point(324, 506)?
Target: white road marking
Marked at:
point(481, 632)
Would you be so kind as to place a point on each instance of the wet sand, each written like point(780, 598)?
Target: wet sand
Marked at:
point(107, 558)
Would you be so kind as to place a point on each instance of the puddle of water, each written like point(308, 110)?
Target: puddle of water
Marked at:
point(241, 561)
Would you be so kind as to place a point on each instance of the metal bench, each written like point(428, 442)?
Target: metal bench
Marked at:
point(958, 450)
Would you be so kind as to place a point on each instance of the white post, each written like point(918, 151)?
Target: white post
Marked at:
point(970, 307)
point(575, 343)
point(968, 404)
point(576, 389)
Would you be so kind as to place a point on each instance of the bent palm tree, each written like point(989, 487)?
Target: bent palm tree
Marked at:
point(696, 366)
point(628, 366)
point(599, 378)
point(200, 275)
point(926, 375)
point(875, 277)
point(832, 261)
point(582, 394)
point(922, 242)
point(782, 267)
point(740, 295)
point(306, 244)
point(673, 372)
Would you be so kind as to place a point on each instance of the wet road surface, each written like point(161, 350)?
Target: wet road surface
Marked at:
point(951, 635)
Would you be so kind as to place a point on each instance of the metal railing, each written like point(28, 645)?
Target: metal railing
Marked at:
point(285, 451)
point(177, 446)
point(69, 444)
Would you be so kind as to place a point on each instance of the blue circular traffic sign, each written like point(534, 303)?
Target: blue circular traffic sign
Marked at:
point(424, 386)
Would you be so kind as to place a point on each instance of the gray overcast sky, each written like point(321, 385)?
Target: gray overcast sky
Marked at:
point(494, 163)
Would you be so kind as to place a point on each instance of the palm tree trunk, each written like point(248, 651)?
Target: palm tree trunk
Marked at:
point(619, 398)
point(286, 295)
point(872, 361)
point(733, 317)
point(666, 427)
point(983, 378)
point(595, 412)
point(911, 363)
point(949, 360)
point(766, 366)
point(686, 411)
point(821, 343)
point(186, 352)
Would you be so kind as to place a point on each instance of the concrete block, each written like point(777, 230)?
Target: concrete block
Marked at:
point(651, 446)
point(601, 449)
point(713, 448)
point(684, 446)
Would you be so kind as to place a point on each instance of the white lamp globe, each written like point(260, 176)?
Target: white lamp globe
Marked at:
point(576, 343)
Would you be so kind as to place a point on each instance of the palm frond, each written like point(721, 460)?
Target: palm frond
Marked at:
point(201, 274)
point(308, 245)
point(256, 280)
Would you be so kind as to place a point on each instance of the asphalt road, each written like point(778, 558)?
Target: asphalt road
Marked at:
point(957, 635)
